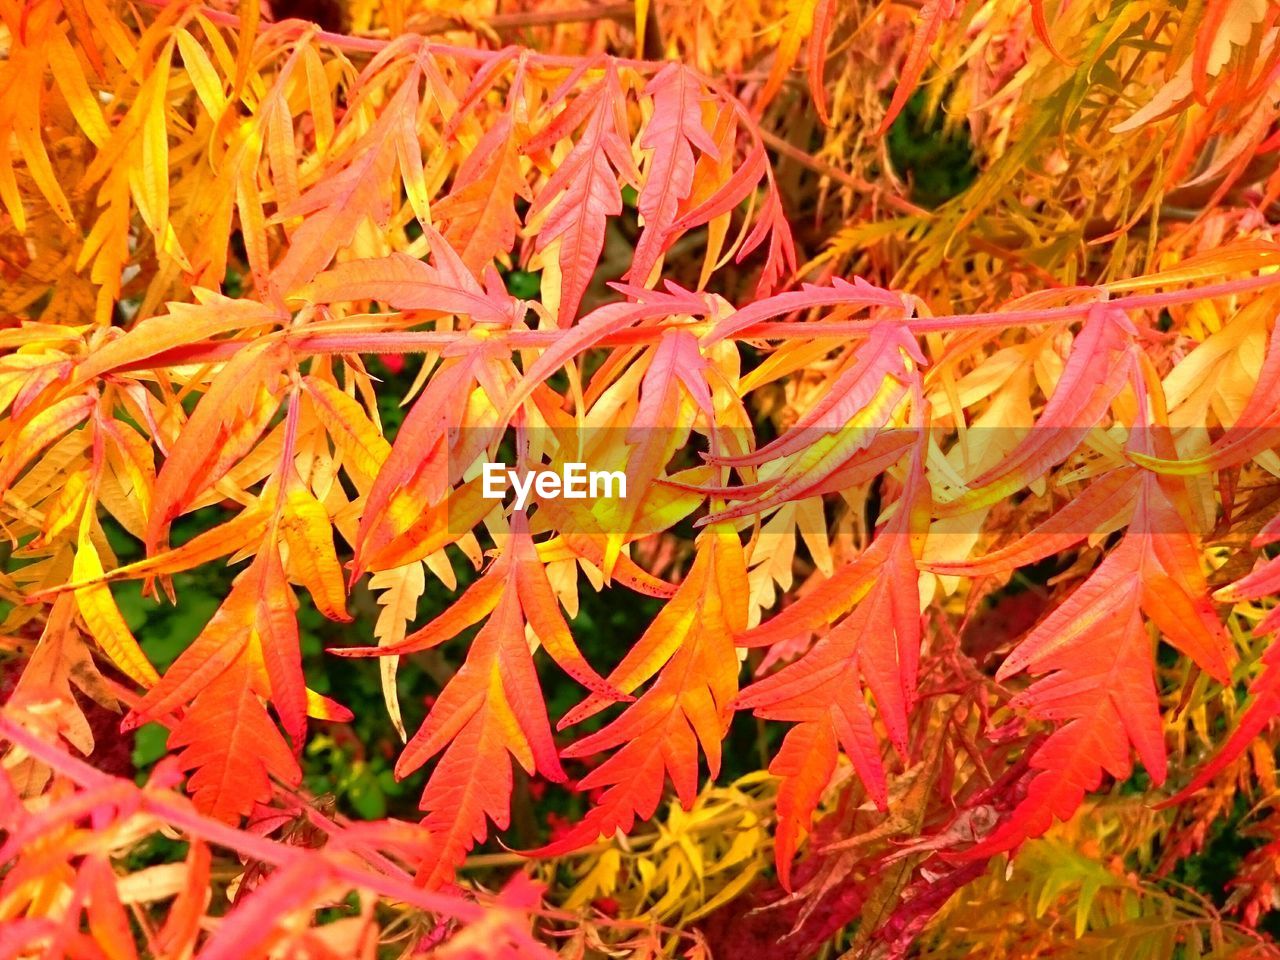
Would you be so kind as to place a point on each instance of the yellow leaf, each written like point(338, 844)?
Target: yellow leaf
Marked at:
point(401, 587)
point(312, 558)
point(67, 74)
point(151, 180)
point(204, 78)
point(102, 617)
point(26, 130)
point(796, 28)
point(360, 444)
point(66, 505)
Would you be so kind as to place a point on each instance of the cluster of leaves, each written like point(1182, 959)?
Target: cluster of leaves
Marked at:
point(958, 542)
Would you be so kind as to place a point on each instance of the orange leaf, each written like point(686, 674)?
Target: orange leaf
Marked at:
point(689, 645)
point(1096, 666)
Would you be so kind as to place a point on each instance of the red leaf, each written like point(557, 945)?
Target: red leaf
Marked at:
point(1100, 364)
point(932, 16)
point(689, 645)
point(583, 191)
point(247, 651)
point(404, 283)
point(227, 423)
point(674, 129)
point(843, 424)
point(1095, 663)
point(424, 461)
point(878, 645)
point(230, 743)
point(338, 204)
point(1040, 24)
point(493, 706)
point(1265, 689)
point(824, 18)
point(480, 212)
point(1108, 499)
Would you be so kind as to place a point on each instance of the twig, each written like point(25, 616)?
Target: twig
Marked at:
point(534, 18)
point(353, 44)
point(792, 152)
point(305, 342)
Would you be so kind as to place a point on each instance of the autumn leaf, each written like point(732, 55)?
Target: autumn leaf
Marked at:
point(1264, 691)
point(933, 14)
point(491, 709)
point(583, 192)
point(246, 653)
point(1096, 370)
point(689, 647)
point(1094, 661)
point(225, 426)
point(875, 648)
point(673, 131)
point(902, 417)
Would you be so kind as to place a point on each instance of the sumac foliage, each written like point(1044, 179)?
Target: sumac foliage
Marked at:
point(924, 366)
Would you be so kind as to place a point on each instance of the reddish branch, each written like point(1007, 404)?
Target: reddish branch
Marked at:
point(305, 342)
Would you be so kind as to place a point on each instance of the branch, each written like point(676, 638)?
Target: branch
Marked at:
point(500, 22)
point(792, 152)
point(302, 341)
point(373, 45)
